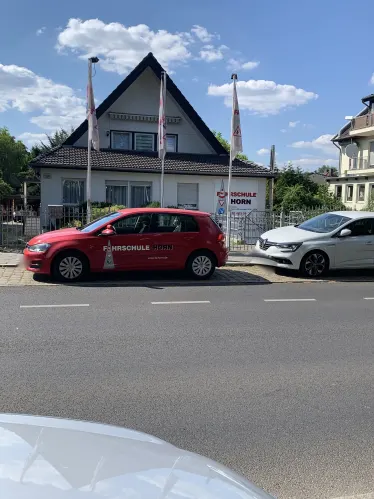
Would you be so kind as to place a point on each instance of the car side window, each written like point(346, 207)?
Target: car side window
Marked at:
point(136, 224)
point(364, 227)
point(170, 222)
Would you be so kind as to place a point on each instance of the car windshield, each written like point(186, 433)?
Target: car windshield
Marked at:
point(106, 219)
point(324, 223)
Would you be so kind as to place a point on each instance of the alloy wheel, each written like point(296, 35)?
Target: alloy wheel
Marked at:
point(70, 267)
point(315, 264)
point(201, 265)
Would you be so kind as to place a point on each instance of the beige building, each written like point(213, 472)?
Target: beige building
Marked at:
point(355, 183)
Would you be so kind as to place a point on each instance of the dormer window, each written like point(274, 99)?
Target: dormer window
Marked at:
point(141, 141)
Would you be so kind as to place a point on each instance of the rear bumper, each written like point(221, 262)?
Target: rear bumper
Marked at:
point(222, 257)
point(36, 262)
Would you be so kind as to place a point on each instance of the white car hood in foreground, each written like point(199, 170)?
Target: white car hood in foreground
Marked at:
point(291, 234)
point(45, 458)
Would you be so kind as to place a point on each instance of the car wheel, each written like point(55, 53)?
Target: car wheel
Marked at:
point(314, 264)
point(201, 265)
point(70, 267)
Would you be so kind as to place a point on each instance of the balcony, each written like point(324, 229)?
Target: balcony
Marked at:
point(363, 125)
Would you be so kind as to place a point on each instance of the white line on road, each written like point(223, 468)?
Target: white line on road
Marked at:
point(369, 298)
point(56, 306)
point(177, 302)
point(291, 299)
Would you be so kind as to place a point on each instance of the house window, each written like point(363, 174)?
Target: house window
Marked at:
point(144, 142)
point(140, 194)
point(72, 191)
point(171, 143)
point(349, 193)
point(371, 154)
point(121, 140)
point(188, 196)
point(338, 191)
point(361, 192)
point(116, 193)
point(353, 163)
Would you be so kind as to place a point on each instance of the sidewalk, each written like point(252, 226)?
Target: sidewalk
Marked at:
point(8, 259)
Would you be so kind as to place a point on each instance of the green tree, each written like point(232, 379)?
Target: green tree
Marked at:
point(226, 145)
point(54, 140)
point(326, 169)
point(13, 159)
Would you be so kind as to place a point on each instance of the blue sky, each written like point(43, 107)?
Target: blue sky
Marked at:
point(302, 66)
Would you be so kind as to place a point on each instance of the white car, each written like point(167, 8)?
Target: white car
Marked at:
point(335, 240)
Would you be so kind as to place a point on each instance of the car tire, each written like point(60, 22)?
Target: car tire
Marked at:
point(201, 265)
point(314, 264)
point(70, 266)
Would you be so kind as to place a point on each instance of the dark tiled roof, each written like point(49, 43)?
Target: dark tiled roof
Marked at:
point(132, 161)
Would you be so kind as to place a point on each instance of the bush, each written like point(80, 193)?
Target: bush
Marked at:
point(153, 204)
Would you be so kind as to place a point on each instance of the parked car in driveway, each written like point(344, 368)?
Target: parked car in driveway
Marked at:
point(335, 240)
point(131, 239)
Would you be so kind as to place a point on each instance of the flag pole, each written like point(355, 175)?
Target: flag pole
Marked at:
point(162, 133)
point(89, 145)
point(228, 210)
point(92, 133)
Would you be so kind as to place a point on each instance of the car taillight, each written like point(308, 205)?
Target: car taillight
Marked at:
point(221, 238)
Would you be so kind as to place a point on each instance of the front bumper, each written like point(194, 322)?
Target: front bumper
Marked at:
point(36, 262)
point(274, 257)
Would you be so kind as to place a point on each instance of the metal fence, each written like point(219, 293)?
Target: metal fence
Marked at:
point(20, 225)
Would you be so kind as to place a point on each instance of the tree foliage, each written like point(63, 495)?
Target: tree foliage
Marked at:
point(226, 145)
point(54, 140)
point(322, 170)
point(294, 190)
point(13, 159)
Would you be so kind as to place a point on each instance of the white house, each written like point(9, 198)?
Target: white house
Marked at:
point(355, 183)
point(127, 169)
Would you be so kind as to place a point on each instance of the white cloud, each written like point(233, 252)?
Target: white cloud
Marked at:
point(202, 34)
point(209, 53)
point(235, 65)
point(30, 138)
point(120, 48)
point(283, 130)
point(323, 143)
point(293, 124)
point(263, 151)
point(262, 96)
point(40, 31)
point(27, 92)
point(312, 163)
point(372, 79)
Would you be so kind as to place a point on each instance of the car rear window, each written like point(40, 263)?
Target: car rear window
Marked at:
point(216, 223)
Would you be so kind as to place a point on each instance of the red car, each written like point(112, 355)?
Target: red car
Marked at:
point(131, 239)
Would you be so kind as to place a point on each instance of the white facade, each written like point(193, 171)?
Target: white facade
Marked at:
point(131, 117)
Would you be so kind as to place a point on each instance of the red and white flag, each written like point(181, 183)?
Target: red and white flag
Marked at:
point(93, 128)
point(236, 131)
point(162, 119)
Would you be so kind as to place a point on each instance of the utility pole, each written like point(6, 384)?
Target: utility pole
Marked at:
point(271, 181)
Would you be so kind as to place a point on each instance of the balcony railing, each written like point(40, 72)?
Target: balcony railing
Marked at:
point(359, 164)
point(363, 121)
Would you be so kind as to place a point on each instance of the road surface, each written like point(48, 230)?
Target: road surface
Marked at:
point(277, 389)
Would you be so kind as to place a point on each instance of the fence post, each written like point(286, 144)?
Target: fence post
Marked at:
point(282, 219)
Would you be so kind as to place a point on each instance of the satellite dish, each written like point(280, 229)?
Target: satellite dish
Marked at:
point(351, 151)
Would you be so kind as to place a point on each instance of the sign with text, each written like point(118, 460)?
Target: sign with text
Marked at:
point(242, 199)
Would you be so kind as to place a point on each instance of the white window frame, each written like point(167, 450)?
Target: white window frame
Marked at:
point(144, 133)
point(369, 162)
point(175, 137)
point(117, 183)
point(346, 193)
point(198, 195)
point(341, 191)
point(72, 180)
point(358, 192)
point(112, 132)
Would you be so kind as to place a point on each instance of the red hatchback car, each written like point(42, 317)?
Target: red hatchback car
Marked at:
point(131, 239)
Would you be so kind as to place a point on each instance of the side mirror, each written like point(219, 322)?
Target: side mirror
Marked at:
point(108, 231)
point(345, 233)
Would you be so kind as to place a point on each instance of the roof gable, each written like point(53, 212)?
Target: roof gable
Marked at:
point(151, 62)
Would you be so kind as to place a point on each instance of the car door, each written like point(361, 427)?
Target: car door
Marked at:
point(128, 248)
point(173, 236)
point(356, 250)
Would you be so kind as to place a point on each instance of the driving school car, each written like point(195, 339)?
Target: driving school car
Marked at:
point(131, 239)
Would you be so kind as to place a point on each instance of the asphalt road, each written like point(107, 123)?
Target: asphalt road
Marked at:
point(281, 391)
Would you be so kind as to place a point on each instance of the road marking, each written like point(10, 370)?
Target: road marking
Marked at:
point(369, 298)
point(177, 302)
point(291, 299)
point(56, 306)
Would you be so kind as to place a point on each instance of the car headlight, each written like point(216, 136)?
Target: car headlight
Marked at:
point(289, 246)
point(39, 248)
